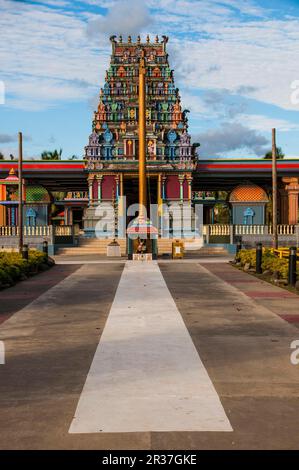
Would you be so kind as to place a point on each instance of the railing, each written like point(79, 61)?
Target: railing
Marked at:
point(250, 230)
point(283, 252)
point(223, 231)
point(28, 231)
point(284, 229)
point(219, 230)
point(239, 230)
point(37, 231)
point(63, 230)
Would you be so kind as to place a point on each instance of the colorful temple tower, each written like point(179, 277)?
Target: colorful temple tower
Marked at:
point(111, 156)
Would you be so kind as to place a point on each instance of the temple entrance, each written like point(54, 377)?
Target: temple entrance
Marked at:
point(131, 193)
point(132, 196)
point(78, 217)
point(142, 243)
point(152, 191)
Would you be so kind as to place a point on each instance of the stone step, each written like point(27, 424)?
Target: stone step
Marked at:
point(92, 246)
point(82, 251)
point(106, 243)
point(99, 242)
point(193, 245)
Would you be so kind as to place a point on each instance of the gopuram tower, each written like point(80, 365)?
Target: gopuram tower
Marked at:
point(111, 156)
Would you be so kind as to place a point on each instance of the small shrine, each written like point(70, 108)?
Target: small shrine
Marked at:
point(36, 202)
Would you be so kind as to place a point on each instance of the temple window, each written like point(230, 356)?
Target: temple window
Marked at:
point(31, 217)
point(248, 216)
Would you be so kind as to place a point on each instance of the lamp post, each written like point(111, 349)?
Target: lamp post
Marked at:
point(274, 190)
point(20, 175)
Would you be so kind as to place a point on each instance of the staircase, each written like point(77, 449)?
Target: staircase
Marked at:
point(98, 246)
point(208, 250)
point(92, 246)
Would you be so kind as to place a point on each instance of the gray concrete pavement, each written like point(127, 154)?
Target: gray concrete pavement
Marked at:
point(244, 346)
point(146, 375)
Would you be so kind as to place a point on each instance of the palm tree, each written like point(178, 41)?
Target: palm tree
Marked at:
point(48, 155)
point(279, 154)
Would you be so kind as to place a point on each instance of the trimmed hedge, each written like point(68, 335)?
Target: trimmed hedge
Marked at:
point(14, 268)
point(270, 262)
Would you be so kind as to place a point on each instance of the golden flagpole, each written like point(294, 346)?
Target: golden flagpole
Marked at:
point(142, 137)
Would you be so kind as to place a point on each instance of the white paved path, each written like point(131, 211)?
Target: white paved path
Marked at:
point(146, 374)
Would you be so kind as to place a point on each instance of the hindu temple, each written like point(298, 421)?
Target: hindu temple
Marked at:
point(112, 154)
point(140, 150)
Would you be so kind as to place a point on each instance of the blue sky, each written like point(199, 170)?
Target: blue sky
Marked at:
point(236, 64)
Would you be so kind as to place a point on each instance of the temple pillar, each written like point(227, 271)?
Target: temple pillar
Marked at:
point(117, 187)
point(159, 201)
point(99, 180)
point(284, 207)
point(163, 188)
point(121, 186)
point(66, 215)
point(293, 206)
point(159, 188)
point(2, 208)
point(181, 181)
point(292, 189)
point(90, 190)
point(70, 216)
point(189, 181)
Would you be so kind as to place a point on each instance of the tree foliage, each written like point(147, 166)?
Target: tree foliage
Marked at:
point(51, 155)
point(279, 154)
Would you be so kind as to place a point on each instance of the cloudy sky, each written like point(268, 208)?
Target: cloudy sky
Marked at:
point(235, 62)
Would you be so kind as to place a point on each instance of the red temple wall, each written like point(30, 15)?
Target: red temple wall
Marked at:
point(185, 189)
point(108, 186)
point(172, 187)
point(95, 189)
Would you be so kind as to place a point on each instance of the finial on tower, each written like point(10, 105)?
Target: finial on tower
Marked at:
point(147, 38)
point(138, 39)
point(120, 38)
point(129, 39)
point(157, 38)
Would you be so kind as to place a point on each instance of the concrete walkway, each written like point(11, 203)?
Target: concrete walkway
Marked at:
point(242, 341)
point(17, 297)
point(146, 374)
point(280, 301)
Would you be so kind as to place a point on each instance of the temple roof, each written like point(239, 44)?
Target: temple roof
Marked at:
point(142, 226)
point(248, 193)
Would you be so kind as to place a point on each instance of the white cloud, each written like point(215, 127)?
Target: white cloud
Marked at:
point(47, 58)
point(265, 124)
point(46, 53)
point(231, 137)
point(125, 17)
